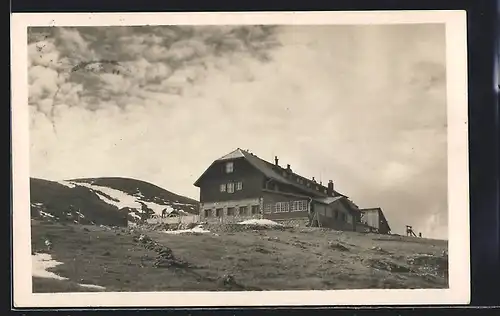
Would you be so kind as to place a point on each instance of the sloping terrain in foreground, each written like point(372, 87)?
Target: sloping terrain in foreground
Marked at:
point(233, 257)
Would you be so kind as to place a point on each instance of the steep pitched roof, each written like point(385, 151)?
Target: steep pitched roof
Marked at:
point(232, 155)
point(328, 200)
point(269, 170)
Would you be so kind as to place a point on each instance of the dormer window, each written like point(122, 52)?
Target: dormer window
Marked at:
point(229, 167)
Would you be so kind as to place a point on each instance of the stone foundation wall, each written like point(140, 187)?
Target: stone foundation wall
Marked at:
point(297, 222)
point(230, 219)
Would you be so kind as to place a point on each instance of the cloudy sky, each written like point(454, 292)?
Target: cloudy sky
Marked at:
point(364, 106)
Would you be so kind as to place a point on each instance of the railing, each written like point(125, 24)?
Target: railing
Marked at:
point(186, 219)
point(228, 219)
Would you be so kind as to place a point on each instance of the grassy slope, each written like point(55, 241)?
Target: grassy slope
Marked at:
point(57, 198)
point(293, 259)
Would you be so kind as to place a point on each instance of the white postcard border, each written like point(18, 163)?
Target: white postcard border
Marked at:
point(458, 186)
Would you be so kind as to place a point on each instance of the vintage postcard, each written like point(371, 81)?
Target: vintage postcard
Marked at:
point(240, 159)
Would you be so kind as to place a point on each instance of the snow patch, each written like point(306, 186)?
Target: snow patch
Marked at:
point(45, 214)
point(92, 286)
point(67, 184)
point(41, 262)
point(124, 199)
point(197, 229)
point(260, 222)
point(181, 204)
point(158, 208)
point(134, 215)
point(139, 194)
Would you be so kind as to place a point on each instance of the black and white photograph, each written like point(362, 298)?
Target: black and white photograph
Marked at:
point(245, 155)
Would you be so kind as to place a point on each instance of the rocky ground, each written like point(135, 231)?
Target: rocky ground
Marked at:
point(233, 257)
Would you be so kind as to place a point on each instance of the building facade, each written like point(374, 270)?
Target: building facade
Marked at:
point(375, 220)
point(242, 185)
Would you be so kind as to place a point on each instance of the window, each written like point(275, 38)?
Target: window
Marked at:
point(243, 210)
point(218, 212)
point(208, 213)
point(277, 207)
point(298, 180)
point(286, 207)
point(298, 206)
point(305, 206)
point(223, 187)
point(230, 211)
point(282, 207)
point(239, 186)
point(230, 187)
point(336, 214)
point(308, 184)
point(317, 188)
point(267, 208)
point(255, 209)
point(229, 167)
point(324, 191)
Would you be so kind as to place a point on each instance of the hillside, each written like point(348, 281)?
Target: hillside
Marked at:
point(105, 201)
point(231, 257)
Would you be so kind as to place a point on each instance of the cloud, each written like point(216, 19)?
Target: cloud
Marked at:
point(159, 59)
point(364, 106)
point(73, 45)
point(43, 83)
point(43, 53)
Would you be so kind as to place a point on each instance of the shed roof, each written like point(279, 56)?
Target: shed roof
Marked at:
point(373, 209)
point(379, 211)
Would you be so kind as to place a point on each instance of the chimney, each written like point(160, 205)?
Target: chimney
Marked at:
point(313, 180)
point(330, 187)
point(276, 160)
point(288, 168)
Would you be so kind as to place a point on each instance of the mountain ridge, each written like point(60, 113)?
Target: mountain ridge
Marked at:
point(104, 200)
